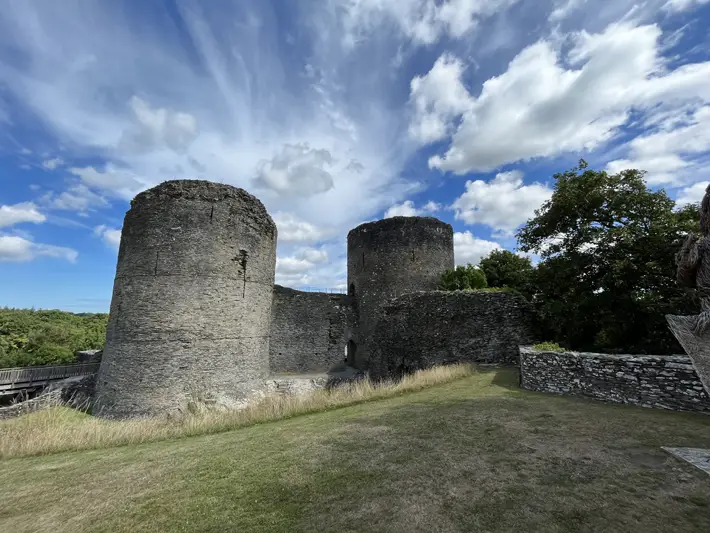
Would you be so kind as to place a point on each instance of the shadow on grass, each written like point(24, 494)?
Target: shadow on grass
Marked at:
point(506, 377)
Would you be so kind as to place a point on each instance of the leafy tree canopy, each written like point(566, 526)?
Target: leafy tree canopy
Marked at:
point(462, 278)
point(29, 337)
point(607, 275)
point(503, 268)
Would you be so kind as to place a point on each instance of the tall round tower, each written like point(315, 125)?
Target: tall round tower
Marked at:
point(389, 258)
point(191, 307)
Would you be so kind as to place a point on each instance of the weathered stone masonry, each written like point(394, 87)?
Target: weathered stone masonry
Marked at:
point(388, 258)
point(668, 382)
point(308, 330)
point(191, 306)
point(424, 329)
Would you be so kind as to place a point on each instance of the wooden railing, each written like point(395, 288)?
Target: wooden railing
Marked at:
point(12, 379)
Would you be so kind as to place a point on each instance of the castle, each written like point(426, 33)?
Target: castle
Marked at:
point(195, 314)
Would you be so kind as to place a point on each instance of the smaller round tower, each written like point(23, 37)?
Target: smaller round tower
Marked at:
point(388, 258)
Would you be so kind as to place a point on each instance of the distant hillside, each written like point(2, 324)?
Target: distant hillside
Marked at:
point(45, 337)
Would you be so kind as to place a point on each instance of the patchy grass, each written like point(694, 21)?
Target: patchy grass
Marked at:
point(476, 454)
point(60, 429)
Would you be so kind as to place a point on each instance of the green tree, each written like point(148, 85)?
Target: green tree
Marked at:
point(462, 278)
point(607, 274)
point(39, 337)
point(506, 269)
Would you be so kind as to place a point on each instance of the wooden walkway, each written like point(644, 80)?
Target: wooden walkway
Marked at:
point(15, 380)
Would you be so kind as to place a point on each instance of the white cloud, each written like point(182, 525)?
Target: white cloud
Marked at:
point(423, 21)
point(668, 154)
point(291, 229)
point(470, 249)
point(14, 248)
point(692, 194)
point(112, 237)
point(502, 203)
point(157, 127)
point(313, 255)
point(546, 104)
point(19, 213)
point(676, 6)
point(407, 209)
point(51, 164)
point(438, 97)
point(114, 181)
point(78, 198)
point(297, 170)
point(218, 101)
point(431, 207)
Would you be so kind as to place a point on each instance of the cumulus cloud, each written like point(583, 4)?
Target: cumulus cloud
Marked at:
point(51, 164)
point(296, 169)
point(112, 237)
point(16, 249)
point(692, 194)
point(667, 155)
point(19, 213)
point(547, 103)
point(502, 203)
point(470, 249)
point(292, 229)
point(438, 97)
point(407, 209)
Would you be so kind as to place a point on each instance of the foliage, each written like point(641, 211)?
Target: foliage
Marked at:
point(463, 278)
point(549, 347)
point(607, 275)
point(31, 337)
point(506, 269)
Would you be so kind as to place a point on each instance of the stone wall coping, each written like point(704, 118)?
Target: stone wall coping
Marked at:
point(679, 358)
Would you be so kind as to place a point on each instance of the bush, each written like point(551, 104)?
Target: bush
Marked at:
point(549, 347)
point(463, 278)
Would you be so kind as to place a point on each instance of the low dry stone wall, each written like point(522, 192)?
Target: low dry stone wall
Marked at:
point(667, 382)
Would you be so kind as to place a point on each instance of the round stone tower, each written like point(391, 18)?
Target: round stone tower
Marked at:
point(388, 258)
point(191, 307)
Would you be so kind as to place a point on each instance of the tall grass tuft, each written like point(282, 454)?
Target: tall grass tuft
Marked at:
point(59, 429)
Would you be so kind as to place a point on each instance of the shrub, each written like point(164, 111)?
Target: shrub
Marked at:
point(549, 347)
point(463, 278)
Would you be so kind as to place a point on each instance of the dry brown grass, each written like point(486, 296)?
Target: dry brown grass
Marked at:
point(60, 429)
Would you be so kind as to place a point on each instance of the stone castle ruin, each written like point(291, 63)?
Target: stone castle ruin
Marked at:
point(195, 315)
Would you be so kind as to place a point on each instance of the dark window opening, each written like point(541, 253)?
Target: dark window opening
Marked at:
point(352, 349)
point(351, 290)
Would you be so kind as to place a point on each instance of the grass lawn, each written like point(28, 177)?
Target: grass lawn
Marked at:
point(473, 455)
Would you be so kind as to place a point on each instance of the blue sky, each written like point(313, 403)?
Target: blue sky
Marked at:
point(333, 113)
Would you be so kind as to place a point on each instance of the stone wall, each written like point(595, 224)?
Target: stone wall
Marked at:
point(308, 330)
point(424, 329)
point(668, 382)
